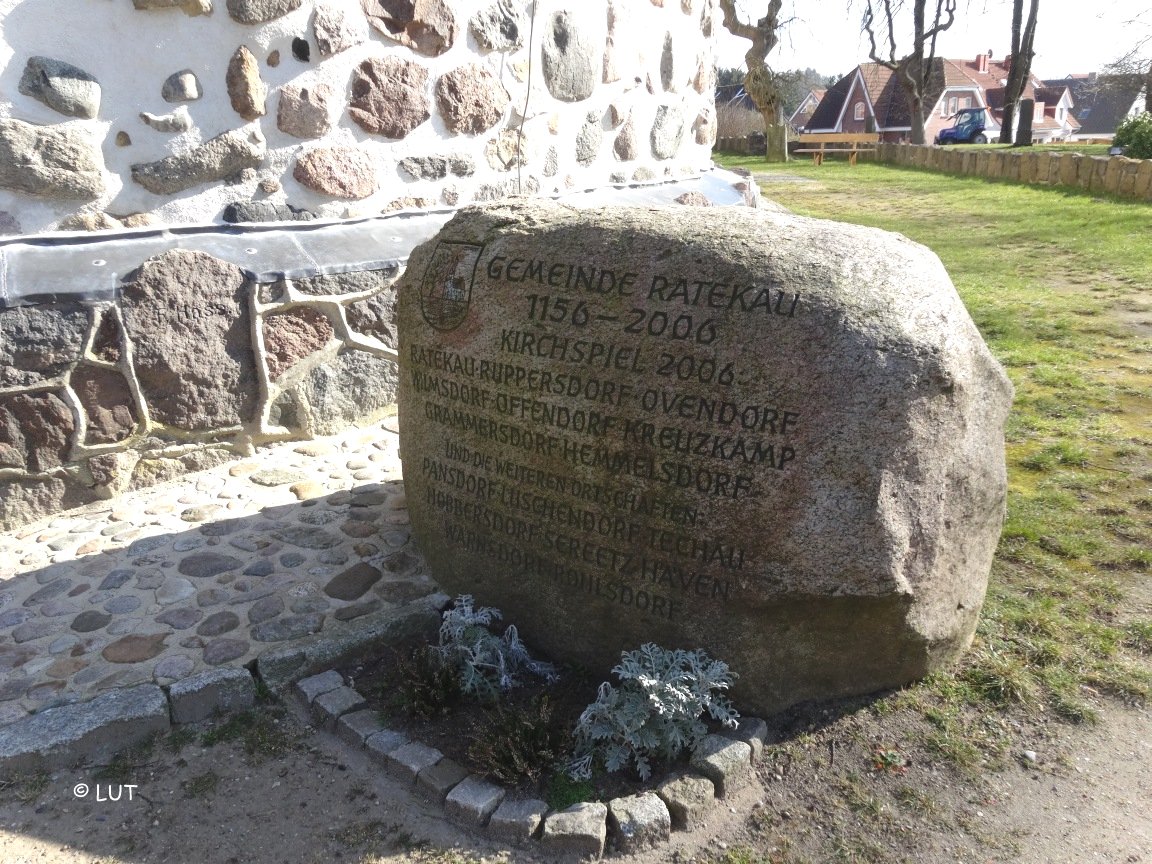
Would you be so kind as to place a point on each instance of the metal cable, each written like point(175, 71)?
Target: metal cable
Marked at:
point(527, 95)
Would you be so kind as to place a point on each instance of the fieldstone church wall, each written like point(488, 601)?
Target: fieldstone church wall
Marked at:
point(190, 367)
point(158, 111)
point(176, 112)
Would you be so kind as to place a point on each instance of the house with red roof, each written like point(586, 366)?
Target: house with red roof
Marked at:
point(870, 99)
point(803, 114)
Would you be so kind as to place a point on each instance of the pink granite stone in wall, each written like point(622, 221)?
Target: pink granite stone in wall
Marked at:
point(342, 172)
point(36, 431)
point(186, 315)
point(292, 335)
point(107, 403)
point(388, 96)
point(428, 27)
point(470, 99)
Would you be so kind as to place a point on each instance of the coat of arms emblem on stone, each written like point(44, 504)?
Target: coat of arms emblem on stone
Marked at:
point(446, 289)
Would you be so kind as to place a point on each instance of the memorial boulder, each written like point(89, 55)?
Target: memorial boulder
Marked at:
point(775, 438)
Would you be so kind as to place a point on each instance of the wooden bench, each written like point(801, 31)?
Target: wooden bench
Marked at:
point(821, 143)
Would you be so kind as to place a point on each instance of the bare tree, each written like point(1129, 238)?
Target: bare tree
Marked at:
point(914, 70)
point(1134, 69)
point(1023, 37)
point(759, 81)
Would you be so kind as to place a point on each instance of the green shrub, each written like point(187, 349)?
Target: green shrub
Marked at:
point(425, 686)
point(486, 663)
point(563, 791)
point(656, 711)
point(1135, 134)
point(513, 744)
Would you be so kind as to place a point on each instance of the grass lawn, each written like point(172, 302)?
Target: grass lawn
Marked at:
point(1058, 283)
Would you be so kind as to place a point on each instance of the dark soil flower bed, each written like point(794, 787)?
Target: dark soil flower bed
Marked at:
point(522, 740)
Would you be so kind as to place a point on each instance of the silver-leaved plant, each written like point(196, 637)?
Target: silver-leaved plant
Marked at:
point(488, 664)
point(656, 711)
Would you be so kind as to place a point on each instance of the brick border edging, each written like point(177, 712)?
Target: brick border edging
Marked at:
point(721, 764)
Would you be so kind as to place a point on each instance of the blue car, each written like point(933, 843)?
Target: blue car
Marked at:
point(967, 128)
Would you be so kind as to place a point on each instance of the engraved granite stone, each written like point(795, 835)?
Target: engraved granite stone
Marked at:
point(775, 438)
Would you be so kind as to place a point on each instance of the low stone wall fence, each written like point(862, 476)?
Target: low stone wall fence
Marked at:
point(1107, 175)
point(191, 365)
point(736, 144)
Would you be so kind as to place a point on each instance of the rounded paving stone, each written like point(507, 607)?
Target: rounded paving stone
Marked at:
point(318, 517)
point(15, 617)
point(57, 608)
point(49, 591)
point(120, 626)
point(134, 648)
point(333, 556)
point(275, 477)
point(259, 568)
point(357, 529)
point(115, 579)
point(292, 559)
point(174, 590)
point(90, 675)
point(64, 643)
point(204, 565)
point(306, 605)
point(218, 624)
point(45, 692)
point(187, 544)
point(79, 589)
point(65, 667)
point(396, 539)
point(222, 650)
point(308, 537)
point(180, 619)
point(14, 688)
point(145, 545)
point(222, 528)
point(150, 579)
point(122, 605)
point(87, 622)
point(201, 513)
point(32, 630)
point(354, 582)
point(211, 597)
point(174, 668)
point(265, 609)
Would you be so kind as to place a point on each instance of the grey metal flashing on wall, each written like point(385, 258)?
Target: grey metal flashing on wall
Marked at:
point(90, 265)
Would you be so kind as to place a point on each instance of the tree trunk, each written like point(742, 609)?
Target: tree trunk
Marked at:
point(1007, 122)
point(1023, 40)
point(917, 133)
point(1024, 132)
point(776, 149)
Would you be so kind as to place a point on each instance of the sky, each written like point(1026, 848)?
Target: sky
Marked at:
point(1072, 36)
